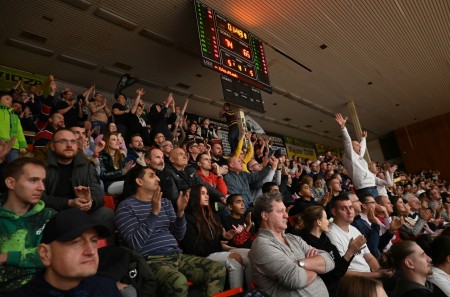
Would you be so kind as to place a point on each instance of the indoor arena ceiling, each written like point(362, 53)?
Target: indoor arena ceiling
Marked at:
point(391, 57)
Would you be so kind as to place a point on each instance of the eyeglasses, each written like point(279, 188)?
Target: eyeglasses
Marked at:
point(66, 141)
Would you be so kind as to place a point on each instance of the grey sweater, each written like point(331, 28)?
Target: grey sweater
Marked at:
point(275, 271)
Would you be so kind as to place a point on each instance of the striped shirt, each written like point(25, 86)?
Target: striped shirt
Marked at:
point(146, 233)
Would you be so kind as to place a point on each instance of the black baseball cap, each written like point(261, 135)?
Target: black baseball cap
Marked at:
point(68, 224)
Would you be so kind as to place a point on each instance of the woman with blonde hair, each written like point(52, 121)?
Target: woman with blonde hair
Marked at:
point(112, 165)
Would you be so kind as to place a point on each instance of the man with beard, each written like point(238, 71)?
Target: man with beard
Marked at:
point(135, 148)
point(154, 158)
point(72, 181)
point(217, 154)
point(415, 266)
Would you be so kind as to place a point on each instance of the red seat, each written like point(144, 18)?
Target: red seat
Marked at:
point(230, 292)
point(109, 202)
point(292, 220)
point(102, 243)
point(30, 147)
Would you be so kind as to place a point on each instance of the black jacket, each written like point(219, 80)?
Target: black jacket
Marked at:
point(331, 278)
point(406, 288)
point(83, 174)
point(172, 182)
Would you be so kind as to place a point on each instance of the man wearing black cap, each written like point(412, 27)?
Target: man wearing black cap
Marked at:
point(68, 249)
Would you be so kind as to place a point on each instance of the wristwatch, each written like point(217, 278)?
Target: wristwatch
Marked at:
point(302, 264)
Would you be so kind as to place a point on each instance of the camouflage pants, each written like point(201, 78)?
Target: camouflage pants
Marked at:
point(172, 273)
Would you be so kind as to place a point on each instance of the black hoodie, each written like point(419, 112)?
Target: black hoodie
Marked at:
point(406, 288)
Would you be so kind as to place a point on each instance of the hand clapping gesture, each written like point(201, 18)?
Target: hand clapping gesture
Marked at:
point(182, 202)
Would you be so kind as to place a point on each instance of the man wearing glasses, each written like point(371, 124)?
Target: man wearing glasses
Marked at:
point(72, 181)
point(367, 223)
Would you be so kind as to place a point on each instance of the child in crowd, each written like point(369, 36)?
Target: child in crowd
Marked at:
point(237, 220)
point(10, 126)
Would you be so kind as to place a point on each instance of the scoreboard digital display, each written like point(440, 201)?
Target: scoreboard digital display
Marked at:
point(231, 50)
point(241, 94)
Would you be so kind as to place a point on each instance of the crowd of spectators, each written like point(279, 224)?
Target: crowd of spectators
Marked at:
point(255, 219)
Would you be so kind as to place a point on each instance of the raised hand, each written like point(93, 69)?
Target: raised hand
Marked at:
point(341, 120)
point(372, 218)
point(128, 166)
point(381, 210)
point(396, 224)
point(425, 214)
point(140, 92)
point(238, 229)
point(216, 169)
point(248, 219)
point(229, 234)
point(156, 201)
point(182, 202)
point(99, 147)
point(356, 245)
point(273, 161)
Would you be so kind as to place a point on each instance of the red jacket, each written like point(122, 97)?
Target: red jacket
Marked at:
point(215, 182)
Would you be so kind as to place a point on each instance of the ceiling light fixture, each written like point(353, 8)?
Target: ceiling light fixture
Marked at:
point(77, 61)
point(81, 4)
point(29, 47)
point(115, 19)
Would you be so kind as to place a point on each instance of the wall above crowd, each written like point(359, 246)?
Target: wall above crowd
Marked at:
point(426, 145)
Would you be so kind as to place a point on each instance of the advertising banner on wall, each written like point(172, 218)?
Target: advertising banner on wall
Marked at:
point(220, 128)
point(10, 76)
point(321, 150)
point(300, 148)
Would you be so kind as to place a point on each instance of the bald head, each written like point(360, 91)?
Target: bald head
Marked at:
point(178, 158)
point(235, 164)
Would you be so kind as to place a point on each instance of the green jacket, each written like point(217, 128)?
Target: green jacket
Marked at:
point(10, 126)
point(20, 237)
